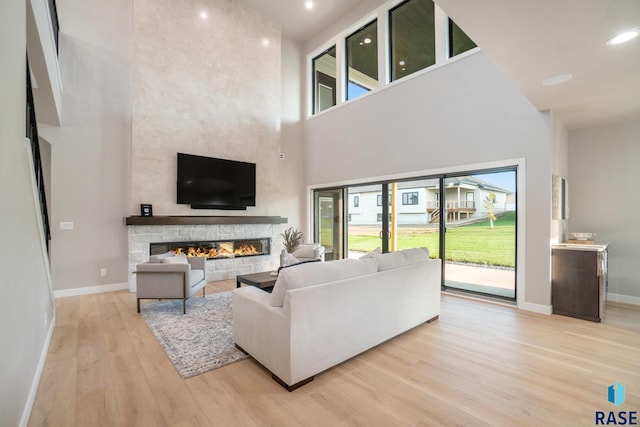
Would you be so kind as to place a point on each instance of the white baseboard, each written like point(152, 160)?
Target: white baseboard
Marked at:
point(625, 299)
point(536, 308)
point(26, 413)
point(90, 290)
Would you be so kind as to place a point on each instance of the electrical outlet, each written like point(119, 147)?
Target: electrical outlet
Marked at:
point(281, 156)
point(103, 272)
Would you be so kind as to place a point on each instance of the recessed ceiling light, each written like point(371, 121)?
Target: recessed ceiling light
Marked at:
point(266, 42)
point(203, 15)
point(556, 80)
point(309, 5)
point(623, 37)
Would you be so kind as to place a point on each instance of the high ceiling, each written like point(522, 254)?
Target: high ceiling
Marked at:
point(530, 41)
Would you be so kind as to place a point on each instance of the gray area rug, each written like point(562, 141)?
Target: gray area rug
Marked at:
point(198, 341)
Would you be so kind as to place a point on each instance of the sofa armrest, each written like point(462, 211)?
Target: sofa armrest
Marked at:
point(154, 267)
point(197, 262)
point(260, 329)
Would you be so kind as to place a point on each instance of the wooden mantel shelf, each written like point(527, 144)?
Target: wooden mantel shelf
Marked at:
point(203, 220)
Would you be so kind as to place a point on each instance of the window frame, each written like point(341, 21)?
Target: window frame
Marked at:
point(408, 196)
point(381, 15)
point(391, 60)
point(316, 83)
point(346, 72)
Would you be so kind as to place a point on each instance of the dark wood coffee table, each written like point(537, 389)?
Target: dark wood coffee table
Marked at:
point(263, 281)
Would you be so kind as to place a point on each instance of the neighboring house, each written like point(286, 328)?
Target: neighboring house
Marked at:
point(417, 202)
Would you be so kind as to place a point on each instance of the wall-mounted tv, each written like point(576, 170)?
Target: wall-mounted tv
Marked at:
point(210, 183)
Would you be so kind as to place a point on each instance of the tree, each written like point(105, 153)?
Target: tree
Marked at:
point(489, 203)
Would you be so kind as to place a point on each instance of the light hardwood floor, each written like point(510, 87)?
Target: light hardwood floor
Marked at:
point(480, 364)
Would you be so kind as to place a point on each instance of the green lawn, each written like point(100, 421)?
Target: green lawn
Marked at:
point(476, 243)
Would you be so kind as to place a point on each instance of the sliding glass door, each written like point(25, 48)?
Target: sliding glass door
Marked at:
point(467, 220)
point(393, 216)
point(329, 227)
point(366, 219)
point(480, 238)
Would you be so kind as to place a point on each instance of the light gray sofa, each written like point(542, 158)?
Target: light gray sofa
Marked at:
point(170, 277)
point(321, 314)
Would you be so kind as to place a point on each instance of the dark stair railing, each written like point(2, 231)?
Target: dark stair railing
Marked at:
point(55, 24)
point(32, 134)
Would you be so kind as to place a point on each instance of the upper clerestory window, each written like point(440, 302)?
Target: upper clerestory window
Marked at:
point(362, 60)
point(459, 42)
point(413, 45)
point(324, 80)
point(411, 37)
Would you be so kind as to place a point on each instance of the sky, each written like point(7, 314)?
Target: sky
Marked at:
point(506, 180)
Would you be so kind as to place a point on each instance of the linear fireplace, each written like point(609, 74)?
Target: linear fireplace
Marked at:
point(215, 249)
point(144, 233)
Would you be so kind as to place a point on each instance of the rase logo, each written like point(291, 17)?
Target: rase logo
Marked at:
point(615, 395)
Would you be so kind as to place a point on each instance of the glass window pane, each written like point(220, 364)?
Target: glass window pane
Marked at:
point(324, 80)
point(362, 61)
point(412, 37)
point(458, 41)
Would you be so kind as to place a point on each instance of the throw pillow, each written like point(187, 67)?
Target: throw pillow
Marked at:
point(180, 259)
point(288, 259)
point(158, 258)
point(314, 273)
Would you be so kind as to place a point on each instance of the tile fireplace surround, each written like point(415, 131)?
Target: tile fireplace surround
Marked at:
point(142, 231)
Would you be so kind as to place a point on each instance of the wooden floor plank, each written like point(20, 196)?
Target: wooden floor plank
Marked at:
point(480, 364)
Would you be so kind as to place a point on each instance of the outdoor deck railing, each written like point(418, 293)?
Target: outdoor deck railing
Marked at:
point(453, 204)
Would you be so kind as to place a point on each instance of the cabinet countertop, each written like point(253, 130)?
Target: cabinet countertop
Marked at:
point(581, 247)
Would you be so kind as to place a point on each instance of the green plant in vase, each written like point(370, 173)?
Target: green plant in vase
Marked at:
point(291, 239)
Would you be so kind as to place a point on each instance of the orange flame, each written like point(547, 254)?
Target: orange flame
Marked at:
point(245, 249)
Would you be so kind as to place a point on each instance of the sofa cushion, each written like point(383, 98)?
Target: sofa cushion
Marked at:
point(195, 277)
point(314, 273)
point(401, 258)
point(297, 263)
point(180, 259)
point(377, 251)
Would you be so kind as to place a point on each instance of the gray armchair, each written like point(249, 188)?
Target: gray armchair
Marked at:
point(304, 253)
point(174, 279)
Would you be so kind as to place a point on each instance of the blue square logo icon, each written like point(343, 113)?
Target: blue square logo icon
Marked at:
point(616, 394)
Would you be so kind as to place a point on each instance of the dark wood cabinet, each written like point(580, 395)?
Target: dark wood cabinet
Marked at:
point(579, 281)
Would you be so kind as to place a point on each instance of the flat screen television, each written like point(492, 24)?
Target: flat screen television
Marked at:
point(210, 183)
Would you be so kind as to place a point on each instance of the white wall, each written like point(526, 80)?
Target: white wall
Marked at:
point(461, 114)
point(560, 167)
point(292, 202)
point(90, 150)
point(207, 87)
point(138, 89)
point(25, 298)
point(603, 198)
